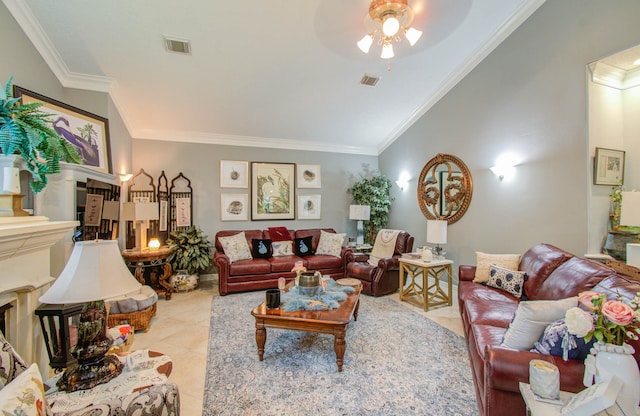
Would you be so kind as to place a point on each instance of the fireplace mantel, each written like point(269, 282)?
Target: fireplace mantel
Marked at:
point(25, 254)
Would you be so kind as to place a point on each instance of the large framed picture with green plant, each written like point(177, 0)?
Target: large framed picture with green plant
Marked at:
point(272, 191)
point(87, 132)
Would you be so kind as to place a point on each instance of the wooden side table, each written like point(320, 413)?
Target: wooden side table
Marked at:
point(155, 261)
point(417, 290)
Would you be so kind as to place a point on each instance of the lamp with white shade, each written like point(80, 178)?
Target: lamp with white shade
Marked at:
point(95, 272)
point(437, 234)
point(630, 217)
point(360, 213)
point(141, 213)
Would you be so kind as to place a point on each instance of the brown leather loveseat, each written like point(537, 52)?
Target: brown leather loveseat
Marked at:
point(263, 273)
point(486, 313)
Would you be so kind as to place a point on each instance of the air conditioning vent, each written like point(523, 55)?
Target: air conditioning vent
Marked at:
point(369, 80)
point(177, 45)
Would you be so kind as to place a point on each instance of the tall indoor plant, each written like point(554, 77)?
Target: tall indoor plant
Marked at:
point(26, 131)
point(376, 193)
point(191, 250)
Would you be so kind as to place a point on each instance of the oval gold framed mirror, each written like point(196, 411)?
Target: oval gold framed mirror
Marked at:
point(444, 188)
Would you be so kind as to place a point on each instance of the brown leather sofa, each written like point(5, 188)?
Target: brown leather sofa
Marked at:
point(486, 313)
point(381, 279)
point(259, 274)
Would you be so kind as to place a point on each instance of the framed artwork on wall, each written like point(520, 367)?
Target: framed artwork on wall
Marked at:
point(234, 174)
point(88, 132)
point(608, 168)
point(308, 176)
point(309, 207)
point(234, 207)
point(272, 191)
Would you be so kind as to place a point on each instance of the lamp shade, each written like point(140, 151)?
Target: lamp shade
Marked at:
point(359, 212)
point(95, 271)
point(630, 209)
point(436, 231)
point(140, 211)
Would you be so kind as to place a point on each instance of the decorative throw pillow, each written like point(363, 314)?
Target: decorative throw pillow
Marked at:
point(556, 340)
point(236, 247)
point(11, 364)
point(484, 260)
point(24, 396)
point(282, 248)
point(261, 248)
point(303, 246)
point(508, 280)
point(279, 234)
point(530, 320)
point(330, 244)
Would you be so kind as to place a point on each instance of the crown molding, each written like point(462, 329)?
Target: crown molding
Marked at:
point(614, 77)
point(249, 141)
point(501, 33)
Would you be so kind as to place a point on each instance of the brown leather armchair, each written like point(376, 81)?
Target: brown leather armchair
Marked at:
point(381, 279)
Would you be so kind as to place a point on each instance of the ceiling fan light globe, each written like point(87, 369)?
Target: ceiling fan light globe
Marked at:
point(412, 35)
point(365, 43)
point(390, 26)
point(387, 51)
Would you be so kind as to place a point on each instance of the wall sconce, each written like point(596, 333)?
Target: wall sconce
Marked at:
point(505, 167)
point(124, 177)
point(403, 181)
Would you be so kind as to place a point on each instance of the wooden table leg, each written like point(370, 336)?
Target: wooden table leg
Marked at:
point(261, 339)
point(164, 281)
point(355, 311)
point(340, 346)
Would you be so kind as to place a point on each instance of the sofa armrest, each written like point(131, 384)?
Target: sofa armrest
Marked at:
point(221, 261)
point(466, 273)
point(504, 368)
point(389, 263)
point(159, 400)
point(346, 254)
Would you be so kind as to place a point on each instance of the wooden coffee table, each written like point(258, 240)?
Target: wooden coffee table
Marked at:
point(332, 321)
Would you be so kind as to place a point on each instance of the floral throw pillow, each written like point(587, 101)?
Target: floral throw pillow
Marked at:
point(24, 396)
point(330, 244)
point(282, 248)
point(236, 247)
point(508, 280)
point(11, 365)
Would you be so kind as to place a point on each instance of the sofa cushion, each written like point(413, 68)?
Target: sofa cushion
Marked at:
point(137, 300)
point(531, 318)
point(323, 262)
point(24, 396)
point(235, 247)
point(484, 261)
point(330, 243)
point(250, 267)
point(261, 248)
point(11, 364)
point(551, 342)
point(539, 261)
point(497, 312)
point(508, 280)
point(303, 246)
point(282, 248)
point(572, 277)
point(283, 264)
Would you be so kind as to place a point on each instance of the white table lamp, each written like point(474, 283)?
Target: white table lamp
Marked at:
point(141, 213)
point(437, 234)
point(359, 213)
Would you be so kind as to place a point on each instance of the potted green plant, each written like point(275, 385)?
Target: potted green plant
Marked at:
point(26, 131)
point(191, 250)
point(375, 192)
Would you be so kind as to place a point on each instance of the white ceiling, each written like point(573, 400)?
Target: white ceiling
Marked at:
point(278, 73)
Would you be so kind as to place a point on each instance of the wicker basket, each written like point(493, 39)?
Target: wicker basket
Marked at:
point(139, 320)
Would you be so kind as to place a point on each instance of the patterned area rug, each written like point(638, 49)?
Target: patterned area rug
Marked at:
point(397, 363)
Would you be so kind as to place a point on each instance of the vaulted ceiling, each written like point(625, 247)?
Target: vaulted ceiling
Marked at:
point(279, 73)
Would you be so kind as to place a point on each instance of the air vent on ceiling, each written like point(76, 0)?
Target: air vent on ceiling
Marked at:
point(177, 45)
point(369, 80)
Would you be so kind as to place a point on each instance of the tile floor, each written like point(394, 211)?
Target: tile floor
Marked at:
point(180, 329)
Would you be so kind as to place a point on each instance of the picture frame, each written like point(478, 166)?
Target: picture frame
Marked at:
point(308, 176)
point(234, 174)
point(234, 207)
point(88, 132)
point(309, 207)
point(93, 210)
point(183, 212)
point(272, 191)
point(608, 167)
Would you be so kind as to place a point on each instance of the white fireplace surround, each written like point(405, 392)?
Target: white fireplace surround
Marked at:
point(25, 274)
